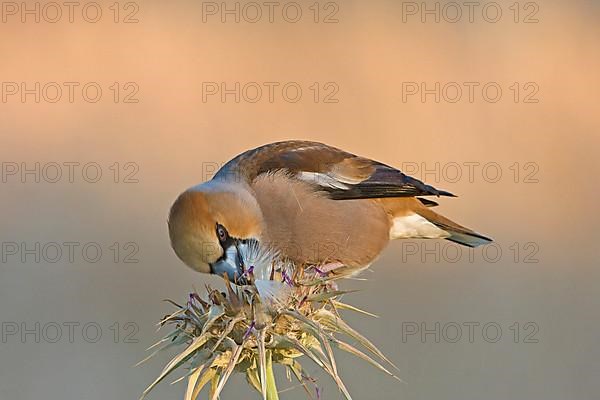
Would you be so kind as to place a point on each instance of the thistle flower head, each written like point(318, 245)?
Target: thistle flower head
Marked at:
point(283, 313)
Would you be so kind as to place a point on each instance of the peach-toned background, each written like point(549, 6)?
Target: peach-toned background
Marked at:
point(171, 134)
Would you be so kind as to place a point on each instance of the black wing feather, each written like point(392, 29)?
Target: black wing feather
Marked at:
point(386, 182)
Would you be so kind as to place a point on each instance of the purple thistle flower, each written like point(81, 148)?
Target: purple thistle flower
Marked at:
point(249, 271)
point(249, 330)
point(286, 278)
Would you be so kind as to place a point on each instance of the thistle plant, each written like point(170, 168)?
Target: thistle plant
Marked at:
point(280, 314)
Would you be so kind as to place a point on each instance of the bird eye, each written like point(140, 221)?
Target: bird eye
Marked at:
point(222, 233)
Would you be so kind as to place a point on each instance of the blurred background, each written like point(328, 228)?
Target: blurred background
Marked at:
point(109, 110)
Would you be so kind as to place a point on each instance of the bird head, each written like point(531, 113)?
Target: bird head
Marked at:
point(215, 227)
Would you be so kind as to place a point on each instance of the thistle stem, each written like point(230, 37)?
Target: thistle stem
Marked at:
point(271, 386)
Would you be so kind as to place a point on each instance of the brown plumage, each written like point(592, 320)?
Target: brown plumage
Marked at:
point(309, 202)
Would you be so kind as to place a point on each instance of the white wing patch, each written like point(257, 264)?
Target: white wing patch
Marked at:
point(323, 180)
point(415, 226)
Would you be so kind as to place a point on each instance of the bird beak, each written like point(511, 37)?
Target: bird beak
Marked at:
point(235, 262)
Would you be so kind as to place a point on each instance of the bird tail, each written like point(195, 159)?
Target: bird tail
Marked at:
point(457, 233)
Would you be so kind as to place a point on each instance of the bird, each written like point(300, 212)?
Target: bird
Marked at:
point(307, 202)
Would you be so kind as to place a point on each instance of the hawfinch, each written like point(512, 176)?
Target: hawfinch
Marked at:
point(308, 202)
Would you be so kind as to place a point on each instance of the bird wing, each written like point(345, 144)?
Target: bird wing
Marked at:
point(340, 174)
